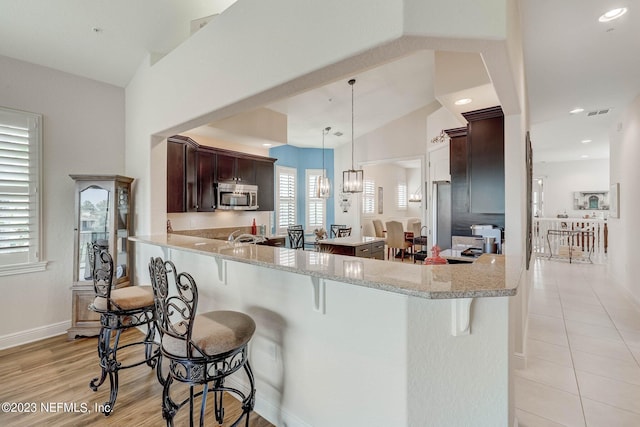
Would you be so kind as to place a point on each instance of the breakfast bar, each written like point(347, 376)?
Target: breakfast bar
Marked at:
point(415, 343)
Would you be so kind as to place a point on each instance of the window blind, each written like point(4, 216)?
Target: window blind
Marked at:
point(19, 178)
point(315, 204)
point(402, 196)
point(369, 197)
point(286, 203)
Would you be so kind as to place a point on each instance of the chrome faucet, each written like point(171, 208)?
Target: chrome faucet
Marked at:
point(231, 238)
point(247, 238)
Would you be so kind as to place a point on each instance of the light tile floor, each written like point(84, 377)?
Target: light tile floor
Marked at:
point(583, 350)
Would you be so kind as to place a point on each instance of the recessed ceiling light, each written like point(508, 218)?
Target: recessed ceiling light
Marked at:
point(266, 144)
point(585, 156)
point(463, 101)
point(576, 110)
point(585, 141)
point(613, 14)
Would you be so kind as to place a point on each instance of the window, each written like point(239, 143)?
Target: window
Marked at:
point(369, 197)
point(316, 206)
point(286, 198)
point(20, 140)
point(402, 196)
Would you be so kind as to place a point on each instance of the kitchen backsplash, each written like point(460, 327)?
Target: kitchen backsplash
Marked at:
point(205, 220)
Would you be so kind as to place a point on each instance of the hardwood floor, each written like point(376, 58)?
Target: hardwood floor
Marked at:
point(53, 372)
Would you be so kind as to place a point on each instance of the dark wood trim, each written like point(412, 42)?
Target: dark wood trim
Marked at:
point(483, 114)
point(238, 154)
point(456, 132)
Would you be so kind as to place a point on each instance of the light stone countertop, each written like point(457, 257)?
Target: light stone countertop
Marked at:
point(489, 276)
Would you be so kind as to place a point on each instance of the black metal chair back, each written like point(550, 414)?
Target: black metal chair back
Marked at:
point(333, 230)
point(296, 238)
point(182, 304)
point(102, 268)
point(344, 232)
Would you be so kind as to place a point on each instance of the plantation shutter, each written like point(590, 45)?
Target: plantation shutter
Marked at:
point(286, 209)
point(19, 177)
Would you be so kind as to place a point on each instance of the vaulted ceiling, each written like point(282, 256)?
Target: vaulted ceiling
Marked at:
point(571, 61)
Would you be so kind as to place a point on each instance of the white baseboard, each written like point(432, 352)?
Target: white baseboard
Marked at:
point(268, 410)
point(35, 334)
point(519, 361)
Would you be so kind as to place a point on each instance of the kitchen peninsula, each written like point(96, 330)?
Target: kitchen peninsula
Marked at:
point(364, 247)
point(334, 331)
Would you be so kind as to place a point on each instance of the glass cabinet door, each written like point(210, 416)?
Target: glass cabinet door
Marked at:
point(93, 227)
point(122, 233)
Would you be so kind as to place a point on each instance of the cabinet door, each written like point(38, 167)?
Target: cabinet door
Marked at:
point(245, 171)
point(225, 168)
point(175, 177)
point(264, 180)
point(206, 169)
point(191, 172)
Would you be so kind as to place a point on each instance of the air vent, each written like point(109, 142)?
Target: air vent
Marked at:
point(598, 112)
point(338, 133)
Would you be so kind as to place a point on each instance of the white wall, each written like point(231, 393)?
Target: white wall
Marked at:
point(624, 233)
point(83, 132)
point(401, 139)
point(367, 357)
point(223, 81)
point(562, 179)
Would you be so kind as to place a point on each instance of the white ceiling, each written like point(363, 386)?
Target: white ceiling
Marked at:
point(571, 60)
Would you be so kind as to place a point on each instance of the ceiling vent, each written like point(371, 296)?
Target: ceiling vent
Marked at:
point(598, 112)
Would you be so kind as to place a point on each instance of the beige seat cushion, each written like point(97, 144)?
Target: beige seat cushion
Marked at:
point(215, 332)
point(128, 298)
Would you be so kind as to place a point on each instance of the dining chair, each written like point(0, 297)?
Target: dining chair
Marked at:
point(296, 238)
point(395, 238)
point(378, 228)
point(344, 232)
point(333, 230)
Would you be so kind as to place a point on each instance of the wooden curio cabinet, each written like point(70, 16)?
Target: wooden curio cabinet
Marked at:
point(102, 215)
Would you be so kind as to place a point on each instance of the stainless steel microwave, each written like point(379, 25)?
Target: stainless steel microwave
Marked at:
point(238, 197)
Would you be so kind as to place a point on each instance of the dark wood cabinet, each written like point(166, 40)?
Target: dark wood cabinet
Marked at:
point(235, 169)
point(181, 176)
point(265, 181)
point(477, 171)
point(206, 186)
point(194, 170)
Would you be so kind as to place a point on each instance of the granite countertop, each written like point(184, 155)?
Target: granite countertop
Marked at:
point(455, 254)
point(490, 276)
point(351, 240)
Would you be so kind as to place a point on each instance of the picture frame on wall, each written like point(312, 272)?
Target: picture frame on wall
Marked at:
point(614, 200)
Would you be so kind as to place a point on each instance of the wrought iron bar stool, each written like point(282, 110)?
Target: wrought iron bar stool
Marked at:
point(120, 309)
point(201, 349)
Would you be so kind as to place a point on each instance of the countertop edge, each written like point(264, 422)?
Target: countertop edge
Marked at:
point(199, 245)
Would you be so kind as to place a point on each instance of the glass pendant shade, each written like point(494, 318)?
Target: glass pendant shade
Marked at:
point(323, 187)
point(352, 179)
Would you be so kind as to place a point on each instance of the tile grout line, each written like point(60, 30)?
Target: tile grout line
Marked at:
point(573, 363)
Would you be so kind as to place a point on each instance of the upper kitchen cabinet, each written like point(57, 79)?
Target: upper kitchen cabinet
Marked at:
point(486, 160)
point(193, 171)
point(236, 169)
point(182, 175)
point(477, 171)
point(205, 180)
point(265, 181)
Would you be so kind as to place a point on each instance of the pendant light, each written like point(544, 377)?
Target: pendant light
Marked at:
point(323, 186)
point(352, 179)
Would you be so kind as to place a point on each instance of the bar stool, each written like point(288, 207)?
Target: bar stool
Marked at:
point(201, 349)
point(120, 309)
